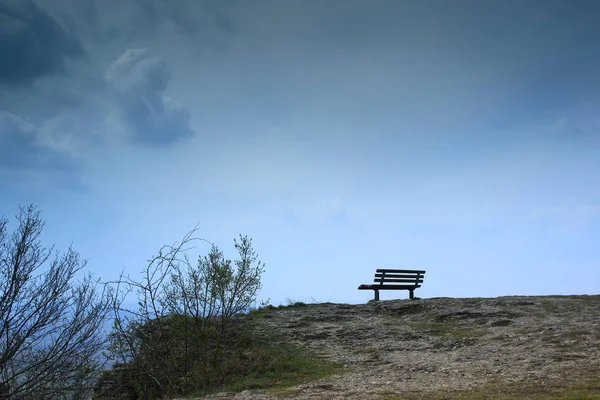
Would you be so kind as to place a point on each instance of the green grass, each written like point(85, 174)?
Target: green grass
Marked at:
point(251, 358)
point(295, 304)
point(267, 360)
point(585, 390)
point(279, 365)
point(266, 311)
point(263, 312)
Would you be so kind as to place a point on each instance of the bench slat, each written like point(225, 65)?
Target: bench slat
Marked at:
point(398, 280)
point(390, 275)
point(388, 287)
point(402, 271)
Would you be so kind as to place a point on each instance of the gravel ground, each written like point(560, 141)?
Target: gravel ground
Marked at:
point(441, 344)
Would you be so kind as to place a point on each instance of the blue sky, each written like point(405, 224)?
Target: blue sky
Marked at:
point(459, 137)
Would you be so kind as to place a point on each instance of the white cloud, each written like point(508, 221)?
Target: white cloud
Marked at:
point(23, 146)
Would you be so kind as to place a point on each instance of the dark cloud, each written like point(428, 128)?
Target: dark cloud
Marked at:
point(22, 148)
point(139, 81)
point(32, 44)
point(201, 19)
point(200, 24)
point(194, 16)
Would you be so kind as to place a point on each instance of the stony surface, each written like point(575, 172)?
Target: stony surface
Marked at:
point(437, 344)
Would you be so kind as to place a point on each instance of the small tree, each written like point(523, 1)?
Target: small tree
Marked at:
point(174, 342)
point(50, 323)
point(211, 293)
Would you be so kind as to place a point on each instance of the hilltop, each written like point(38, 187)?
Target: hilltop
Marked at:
point(506, 347)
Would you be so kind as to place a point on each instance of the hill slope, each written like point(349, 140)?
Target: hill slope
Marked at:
point(446, 348)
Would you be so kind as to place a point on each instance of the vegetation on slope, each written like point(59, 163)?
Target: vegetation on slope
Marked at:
point(191, 333)
point(248, 359)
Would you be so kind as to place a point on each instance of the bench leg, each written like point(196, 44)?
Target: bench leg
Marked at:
point(412, 294)
point(376, 295)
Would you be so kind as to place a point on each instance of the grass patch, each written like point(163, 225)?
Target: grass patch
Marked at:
point(293, 304)
point(262, 312)
point(585, 390)
point(277, 365)
point(267, 360)
point(251, 357)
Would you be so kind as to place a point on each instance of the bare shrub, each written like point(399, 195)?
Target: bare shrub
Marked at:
point(50, 322)
point(176, 341)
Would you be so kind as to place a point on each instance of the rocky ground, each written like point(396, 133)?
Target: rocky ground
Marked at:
point(397, 348)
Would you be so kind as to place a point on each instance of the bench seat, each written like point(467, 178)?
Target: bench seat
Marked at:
point(388, 287)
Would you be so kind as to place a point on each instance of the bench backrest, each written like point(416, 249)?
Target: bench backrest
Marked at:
point(399, 276)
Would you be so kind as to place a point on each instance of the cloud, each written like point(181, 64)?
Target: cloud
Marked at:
point(22, 147)
point(32, 43)
point(207, 23)
point(139, 81)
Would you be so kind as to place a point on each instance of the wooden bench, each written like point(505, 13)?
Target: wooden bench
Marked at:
point(395, 279)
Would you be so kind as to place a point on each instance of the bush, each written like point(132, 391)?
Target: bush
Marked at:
point(180, 339)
